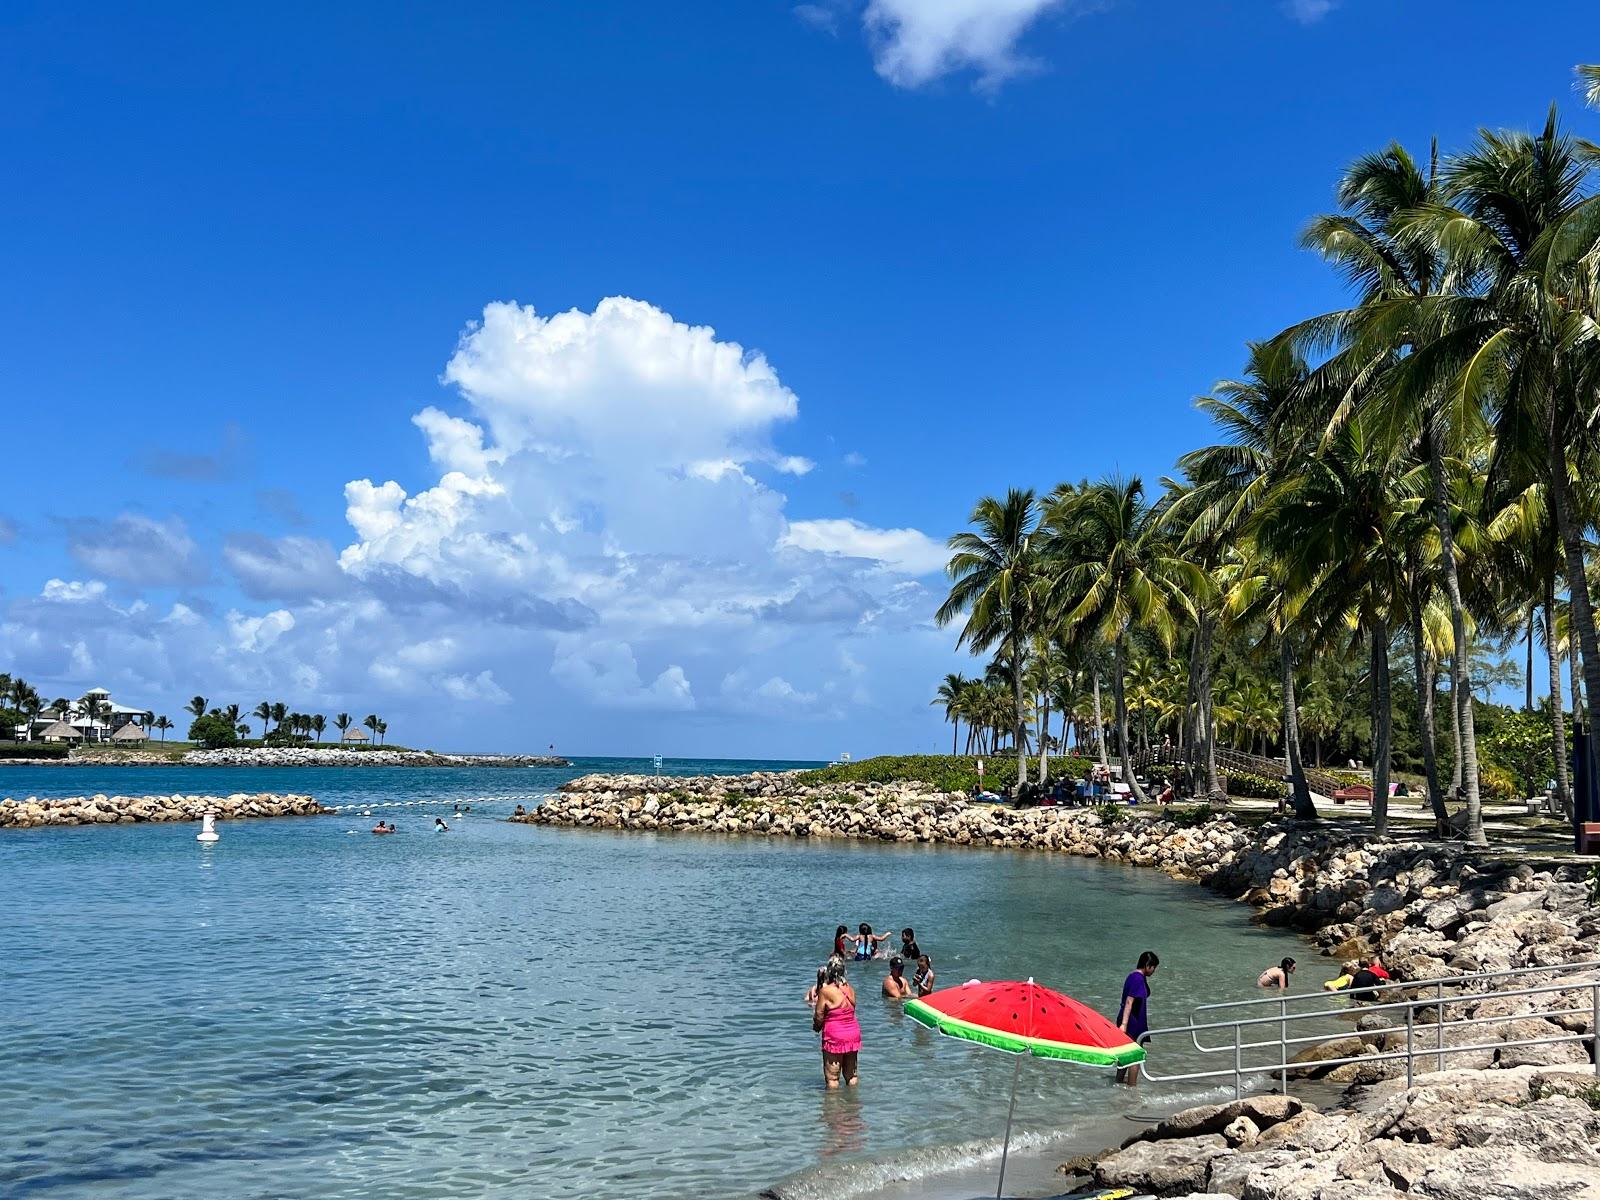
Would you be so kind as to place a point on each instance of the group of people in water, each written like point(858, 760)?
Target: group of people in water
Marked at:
point(1359, 976)
point(832, 999)
point(438, 826)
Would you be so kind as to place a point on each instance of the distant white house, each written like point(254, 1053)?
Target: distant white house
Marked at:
point(106, 723)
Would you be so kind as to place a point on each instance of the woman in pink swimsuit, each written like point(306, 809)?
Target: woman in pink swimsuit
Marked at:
point(835, 1018)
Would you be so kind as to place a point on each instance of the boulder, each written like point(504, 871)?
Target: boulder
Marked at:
point(1163, 1166)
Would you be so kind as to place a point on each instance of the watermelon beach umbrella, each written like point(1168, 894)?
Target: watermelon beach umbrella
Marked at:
point(1025, 1019)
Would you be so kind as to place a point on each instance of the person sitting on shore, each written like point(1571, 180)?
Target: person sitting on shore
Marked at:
point(895, 984)
point(922, 981)
point(867, 942)
point(1278, 976)
point(1168, 793)
point(519, 811)
point(1375, 965)
point(834, 1017)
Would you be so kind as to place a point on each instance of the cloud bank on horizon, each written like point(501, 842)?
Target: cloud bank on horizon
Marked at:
point(606, 533)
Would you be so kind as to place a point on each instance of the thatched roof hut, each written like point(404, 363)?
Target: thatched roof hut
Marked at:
point(61, 732)
point(130, 733)
point(356, 734)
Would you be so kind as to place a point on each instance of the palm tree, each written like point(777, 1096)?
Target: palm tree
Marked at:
point(1114, 567)
point(1517, 342)
point(1338, 530)
point(371, 722)
point(949, 695)
point(383, 730)
point(1589, 84)
point(342, 723)
point(263, 713)
point(279, 712)
point(1402, 278)
point(318, 724)
point(994, 581)
point(163, 723)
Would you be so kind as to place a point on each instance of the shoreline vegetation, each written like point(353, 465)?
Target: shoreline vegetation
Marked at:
point(1512, 1121)
point(280, 756)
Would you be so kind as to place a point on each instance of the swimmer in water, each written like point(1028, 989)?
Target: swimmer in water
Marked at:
point(895, 984)
point(923, 979)
point(439, 826)
point(379, 828)
point(867, 942)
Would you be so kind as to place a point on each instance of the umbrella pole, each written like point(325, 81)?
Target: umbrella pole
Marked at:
point(1005, 1147)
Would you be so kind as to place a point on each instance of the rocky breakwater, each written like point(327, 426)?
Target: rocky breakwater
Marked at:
point(336, 756)
point(126, 810)
point(1528, 1133)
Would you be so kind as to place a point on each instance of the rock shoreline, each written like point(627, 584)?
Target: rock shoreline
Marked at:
point(1511, 1122)
point(33, 813)
point(290, 756)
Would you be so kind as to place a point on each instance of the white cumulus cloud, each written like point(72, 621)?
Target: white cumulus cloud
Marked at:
point(72, 591)
point(907, 550)
point(917, 41)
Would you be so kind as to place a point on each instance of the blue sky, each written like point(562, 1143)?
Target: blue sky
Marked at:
point(945, 246)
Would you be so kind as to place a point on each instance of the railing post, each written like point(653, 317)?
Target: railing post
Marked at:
point(1438, 1015)
point(1283, 1044)
point(1238, 1072)
point(1411, 1015)
point(1594, 1025)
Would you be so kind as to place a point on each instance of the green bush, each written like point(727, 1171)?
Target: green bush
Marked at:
point(213, 732)
point(32, 750)
point(1496, 783)
point(1188, 818)
point(941, 771)
point(1248, 786)
point(1111, 814)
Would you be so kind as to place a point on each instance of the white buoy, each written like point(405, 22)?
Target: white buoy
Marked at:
point(208, 829)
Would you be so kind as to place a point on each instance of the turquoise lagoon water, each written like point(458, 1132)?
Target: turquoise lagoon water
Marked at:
point(305, 1010)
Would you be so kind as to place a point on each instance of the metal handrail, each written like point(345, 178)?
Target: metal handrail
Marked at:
point(1437, 985)
point(1438, 1000)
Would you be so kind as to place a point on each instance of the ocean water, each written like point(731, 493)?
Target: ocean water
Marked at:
point(305, 1010)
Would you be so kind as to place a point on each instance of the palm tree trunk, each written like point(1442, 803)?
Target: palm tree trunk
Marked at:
point(1044, 735)
point(1455, 736)
point(1099, 724)
point(1382, 731)
point(1206, 725)
point(1304, 809)
point(1119, 688)
point(1582, 610)
point(1527, 705)
point(1022, 727)
point(1461, 660)
point(1558, 720)
point(1422, 665)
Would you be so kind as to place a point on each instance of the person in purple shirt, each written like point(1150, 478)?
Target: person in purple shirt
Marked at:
point(1133, 1017)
